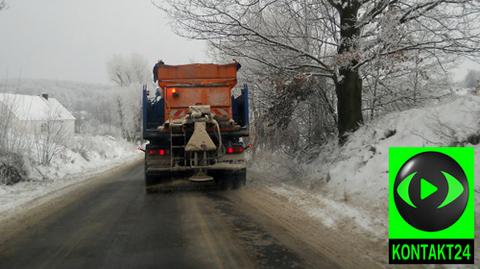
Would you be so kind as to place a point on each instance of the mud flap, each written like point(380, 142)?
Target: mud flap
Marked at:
point(240, 179)
point(154, 183)
point(226, 180)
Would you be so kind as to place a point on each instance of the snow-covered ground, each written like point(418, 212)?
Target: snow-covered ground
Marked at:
point(94, 149)
point(88, 156)
point(347, 187)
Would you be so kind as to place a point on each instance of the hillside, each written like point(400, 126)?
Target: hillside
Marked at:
point(347, 187)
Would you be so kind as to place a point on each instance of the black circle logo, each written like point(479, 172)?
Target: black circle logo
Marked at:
point(431, 191)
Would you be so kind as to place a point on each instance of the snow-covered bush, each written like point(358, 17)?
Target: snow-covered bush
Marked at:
point(471, 79)
point(12, 168)
point(99, 147)
point(282, 166)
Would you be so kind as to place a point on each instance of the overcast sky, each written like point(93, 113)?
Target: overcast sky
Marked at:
point(73, 40)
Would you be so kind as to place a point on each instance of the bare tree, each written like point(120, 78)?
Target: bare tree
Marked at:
point(335, 39)
point(128, 72)
point(3, 4)
point(121, 115)
point(50, 138)
point(397, 85)
point(125, 71)
point(128, 105)
point(6, 121)
point(11, 129)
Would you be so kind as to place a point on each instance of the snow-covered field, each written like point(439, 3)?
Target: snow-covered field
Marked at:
point(347, 186)
point(88, 156)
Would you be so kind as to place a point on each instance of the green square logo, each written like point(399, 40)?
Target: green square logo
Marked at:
point(431, 205)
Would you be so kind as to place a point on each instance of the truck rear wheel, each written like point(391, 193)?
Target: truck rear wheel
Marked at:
point(149, 182)
point(226, 180)
point(153, 183)
point(239, 179)
point(222, 182)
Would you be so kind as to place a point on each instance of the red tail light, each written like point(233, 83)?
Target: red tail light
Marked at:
point(161, 152)
point(235, 150)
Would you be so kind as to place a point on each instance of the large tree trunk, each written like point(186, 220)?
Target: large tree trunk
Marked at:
point(349, 102)
point(349, 83)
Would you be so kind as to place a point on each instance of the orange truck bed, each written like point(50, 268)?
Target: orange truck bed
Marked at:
point(197, 84)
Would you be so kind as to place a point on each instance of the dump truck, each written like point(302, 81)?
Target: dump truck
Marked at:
point(195, 126)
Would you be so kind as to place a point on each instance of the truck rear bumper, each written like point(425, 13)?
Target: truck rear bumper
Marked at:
point(215, 167)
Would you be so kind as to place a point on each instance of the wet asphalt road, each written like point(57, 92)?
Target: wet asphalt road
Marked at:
point(116, 225)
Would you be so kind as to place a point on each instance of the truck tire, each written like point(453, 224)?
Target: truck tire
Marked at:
point(239, 179)
point(222, 180)
point(149, 182)
point(222, 183)
point(156, 183)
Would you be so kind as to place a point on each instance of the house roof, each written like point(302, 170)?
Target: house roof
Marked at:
point(32, 107)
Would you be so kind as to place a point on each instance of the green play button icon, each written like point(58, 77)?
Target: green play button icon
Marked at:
point(431, 189)
point(426, 188)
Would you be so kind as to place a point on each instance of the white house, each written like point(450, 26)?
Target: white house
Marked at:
point(36, 114)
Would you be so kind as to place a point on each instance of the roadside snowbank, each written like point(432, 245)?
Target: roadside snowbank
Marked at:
point(348, 185)
point(87, 157)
